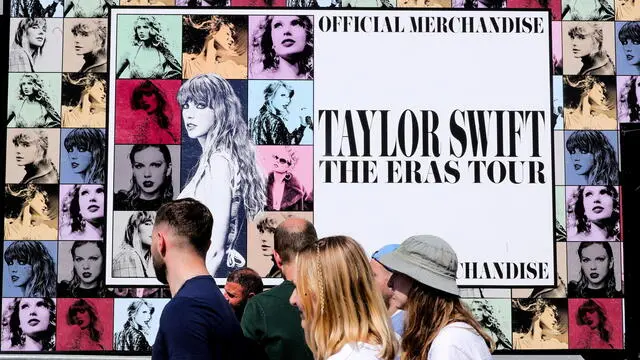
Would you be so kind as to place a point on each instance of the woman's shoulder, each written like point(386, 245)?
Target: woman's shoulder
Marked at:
point(459, 337)
point(357, 351)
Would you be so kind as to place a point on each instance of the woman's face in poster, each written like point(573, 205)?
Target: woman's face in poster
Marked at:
point(39, 205)
point(83, 318)
point(97, 92)
point(595, 264)
point(149, 171)
point(224, 37)
point(281, 99)
point(143, 316)
point(145, 230)
point(87, 263)
point(27, 87)
point(288, 35)
point(26, 153)
point(198, 119)
point(548, 318)
point(20, 272)
point(582, 161)
point(143, 31)
point(591, 319)
point(149, 102)
point(476, 310)
point(84, 43)
point(598, 203)
point(34, 316)
point(282, 161)
point(582, 45)
point(91, 200)
point(36, 35)
point(597, 94)
point(632, 51)
point(80, 158)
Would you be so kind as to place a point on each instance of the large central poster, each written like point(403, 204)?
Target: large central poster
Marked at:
point(373, 125)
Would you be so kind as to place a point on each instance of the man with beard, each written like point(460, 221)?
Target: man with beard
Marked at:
point(242, 284)
point(197, 323)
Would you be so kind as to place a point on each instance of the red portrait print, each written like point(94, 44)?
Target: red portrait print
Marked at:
point(147, 112)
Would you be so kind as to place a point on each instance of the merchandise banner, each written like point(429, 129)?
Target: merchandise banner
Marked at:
point(418, 122)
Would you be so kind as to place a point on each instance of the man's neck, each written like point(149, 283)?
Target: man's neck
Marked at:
point(183, 269)
point(287, 272)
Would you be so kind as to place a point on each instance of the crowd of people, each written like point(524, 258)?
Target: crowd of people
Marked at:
point(334, 303)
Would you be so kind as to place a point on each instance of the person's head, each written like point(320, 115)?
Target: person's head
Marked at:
point(32, 87)
point(590, 313)
point(139, 314)
point(31, 268)
point(284, 159)
point(86, 151)
point(148, 97)
point(424, 285)
point(85, 204)
point(147, 30)
point(34, 318)
point(182, 228)
point(289, 238)
point(88, 264)
point(90, 38)
point(330, 271)
point(225, 32)
point(277, 97)
point(590, 88)
point(83, 313)
point(31, 146)
point(242, 284)
point(593, 157)
point(538, 314)
point(629, 36)
point(598, 205)
point(285, 38)
point(381, 275)
point(586, 39)
point(151, 172)
point(31, 34)
point(138, 233)
point(93, 85)
point(266, 224)
point(33, 197)
point(212, 113)
point(596, 265)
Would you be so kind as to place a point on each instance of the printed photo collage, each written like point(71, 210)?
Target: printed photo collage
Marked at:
point(174, 74)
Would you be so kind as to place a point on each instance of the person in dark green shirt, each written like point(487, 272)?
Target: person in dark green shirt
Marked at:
point(269, 319)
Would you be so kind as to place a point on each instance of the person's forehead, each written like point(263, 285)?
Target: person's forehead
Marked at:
point(233, 286)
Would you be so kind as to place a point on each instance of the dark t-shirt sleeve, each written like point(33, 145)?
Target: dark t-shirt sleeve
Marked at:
point(184, 332)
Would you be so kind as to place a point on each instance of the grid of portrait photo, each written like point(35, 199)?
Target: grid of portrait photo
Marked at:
point(175, 75)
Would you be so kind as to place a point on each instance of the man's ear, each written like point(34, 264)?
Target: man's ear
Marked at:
point(161, 244)
point(278, 259)
point(250, 295)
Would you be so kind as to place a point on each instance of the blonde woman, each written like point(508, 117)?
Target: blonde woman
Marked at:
point(437, 325)
point(343, 314)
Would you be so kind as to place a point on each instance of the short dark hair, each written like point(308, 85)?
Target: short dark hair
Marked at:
point(248, 278)
point(189, 218)
point(288, 242)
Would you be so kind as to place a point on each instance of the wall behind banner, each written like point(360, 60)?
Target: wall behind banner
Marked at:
point(55, 158)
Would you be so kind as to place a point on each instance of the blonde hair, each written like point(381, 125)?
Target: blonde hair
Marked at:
point(341, 305)
point(428, 311)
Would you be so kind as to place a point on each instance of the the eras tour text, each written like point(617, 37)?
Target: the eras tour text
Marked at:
point(477, 146)
point(432, 24)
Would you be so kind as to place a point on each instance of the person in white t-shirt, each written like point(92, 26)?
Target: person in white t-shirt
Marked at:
point(437, 324)
point(342, 313)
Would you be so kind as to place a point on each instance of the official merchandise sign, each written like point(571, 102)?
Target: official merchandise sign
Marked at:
point(411, 122)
